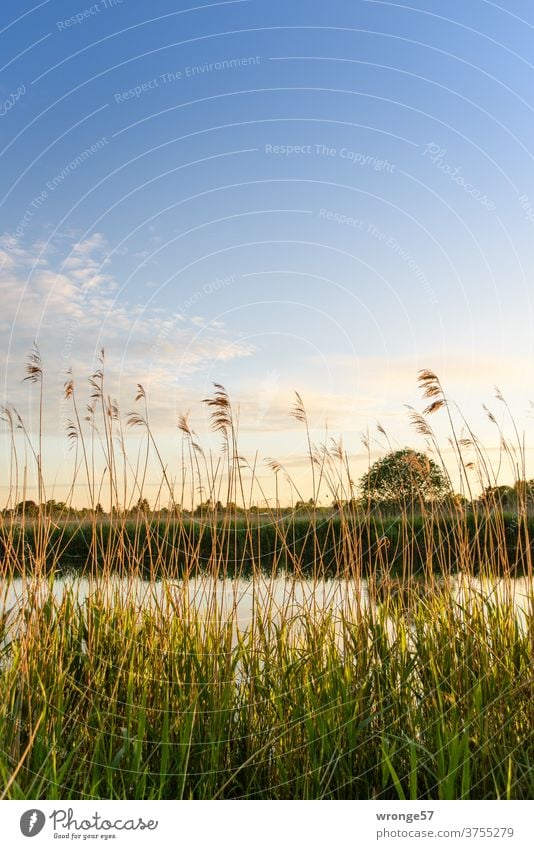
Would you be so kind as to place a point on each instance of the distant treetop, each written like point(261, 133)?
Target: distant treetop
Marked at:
point(404, 476)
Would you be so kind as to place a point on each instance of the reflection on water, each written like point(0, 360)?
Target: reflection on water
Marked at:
point(203, 598)
point(276, 599)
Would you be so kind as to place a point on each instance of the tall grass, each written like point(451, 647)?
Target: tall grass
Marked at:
point(411, 679)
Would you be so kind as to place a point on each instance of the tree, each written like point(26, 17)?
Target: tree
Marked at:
point(141, 508)
point(305, 505)
point(404, 477)
point(54, 507)
point(27, 508)
point(232, 507)
point(524, 491)
point(208, 507)
point(520, 496)
point(498, 498)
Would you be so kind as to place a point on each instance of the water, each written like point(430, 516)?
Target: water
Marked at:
point(203, 597)
point(277, 599)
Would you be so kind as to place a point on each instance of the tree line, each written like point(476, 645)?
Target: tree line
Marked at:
point(403, 479)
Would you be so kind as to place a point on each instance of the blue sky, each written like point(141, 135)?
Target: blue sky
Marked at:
point(272, 196)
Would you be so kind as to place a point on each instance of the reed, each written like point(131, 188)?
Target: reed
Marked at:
point(229, 655)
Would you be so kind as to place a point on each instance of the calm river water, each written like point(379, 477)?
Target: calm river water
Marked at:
point(236, 599)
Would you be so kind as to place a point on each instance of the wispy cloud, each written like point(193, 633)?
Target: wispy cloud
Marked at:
point(70, 302)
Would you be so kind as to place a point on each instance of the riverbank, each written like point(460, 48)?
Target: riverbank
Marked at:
point(359, 546)
point(313, 695)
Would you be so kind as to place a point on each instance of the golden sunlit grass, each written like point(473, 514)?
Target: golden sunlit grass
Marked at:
point(353, 654)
